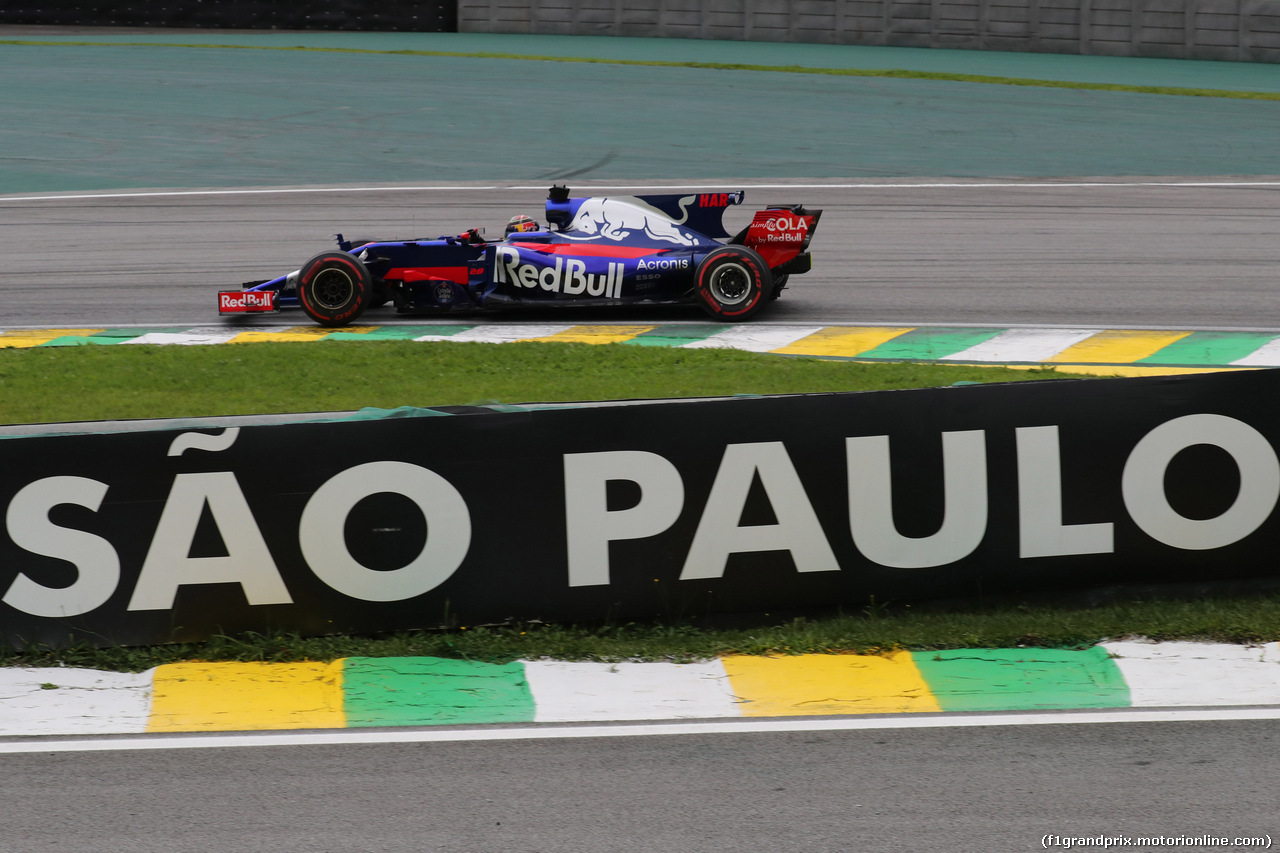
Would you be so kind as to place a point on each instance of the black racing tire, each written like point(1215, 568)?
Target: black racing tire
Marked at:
point(733, 283)
point(334, 288)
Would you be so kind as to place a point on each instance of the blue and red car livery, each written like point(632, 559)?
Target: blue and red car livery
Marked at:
point(599, 250)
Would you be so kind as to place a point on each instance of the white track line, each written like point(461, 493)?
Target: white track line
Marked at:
point(672, 187)
point(559, 732)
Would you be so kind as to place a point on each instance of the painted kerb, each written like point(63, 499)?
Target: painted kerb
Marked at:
point(425, 691)
point(1241, 30)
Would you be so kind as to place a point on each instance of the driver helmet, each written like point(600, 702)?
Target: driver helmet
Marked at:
point(520, 224)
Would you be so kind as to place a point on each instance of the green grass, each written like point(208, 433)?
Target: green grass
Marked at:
point(875, 630)
point(716, 66)
point(85, 383)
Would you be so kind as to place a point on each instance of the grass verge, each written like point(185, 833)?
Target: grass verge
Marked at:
point(87, 383)
point(876, 630)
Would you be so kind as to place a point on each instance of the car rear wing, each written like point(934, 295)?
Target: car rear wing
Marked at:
point(780, 233)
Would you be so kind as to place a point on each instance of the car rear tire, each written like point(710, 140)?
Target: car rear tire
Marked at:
point(733, 283)
point(334, 288)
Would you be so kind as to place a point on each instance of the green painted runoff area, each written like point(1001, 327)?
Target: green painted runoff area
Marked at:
point(182, 110)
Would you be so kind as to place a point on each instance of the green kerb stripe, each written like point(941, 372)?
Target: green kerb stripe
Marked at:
point(919, 344)
point(1210, 348)
point(1022, 679)
point(676, 335)
point(120, 336)
point(420, 691)
point(79, 340)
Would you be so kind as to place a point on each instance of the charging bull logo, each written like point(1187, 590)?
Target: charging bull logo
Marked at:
point(613, 219)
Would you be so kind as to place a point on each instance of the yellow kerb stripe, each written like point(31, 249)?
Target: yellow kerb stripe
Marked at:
point(1118, 347)
point(828, 684)
point(843, 341)
point(36, 337)
point(200, 697)
point(596, 334)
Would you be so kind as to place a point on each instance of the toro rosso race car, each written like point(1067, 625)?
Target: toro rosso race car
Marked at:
point(616, 250)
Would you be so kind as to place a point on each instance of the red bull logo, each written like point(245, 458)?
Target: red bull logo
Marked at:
point(567, 275)
point(246, 301)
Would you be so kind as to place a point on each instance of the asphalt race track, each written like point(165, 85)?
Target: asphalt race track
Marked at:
point(1175, 253)
point(966, 789)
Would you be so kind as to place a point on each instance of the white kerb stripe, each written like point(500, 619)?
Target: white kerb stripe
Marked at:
point(189, 337)
point(496, 334)
point(1016, 345)
point(754, 338)
point(1267, 355)
point(69, 701)
point(598, 692)
point(1172, 674)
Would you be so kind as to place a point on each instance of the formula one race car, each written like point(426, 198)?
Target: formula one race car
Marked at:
point(619, 250)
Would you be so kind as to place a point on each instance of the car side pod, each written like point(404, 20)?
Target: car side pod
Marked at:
point(733, 283)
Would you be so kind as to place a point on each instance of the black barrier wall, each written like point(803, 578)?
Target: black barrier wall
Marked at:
point(636, 511)
point(433, 16)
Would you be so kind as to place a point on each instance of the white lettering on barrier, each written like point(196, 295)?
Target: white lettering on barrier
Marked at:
point(94, 558)
point(797, 529)
point(1041, 532)
point(324, 545)
point(964, 482)
point(168, 564)
point(591, 526)
point(1143, 482)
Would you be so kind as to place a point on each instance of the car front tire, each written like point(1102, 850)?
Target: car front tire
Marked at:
point(334, 288)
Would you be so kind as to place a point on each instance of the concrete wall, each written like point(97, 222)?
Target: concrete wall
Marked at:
point(1243, 30)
